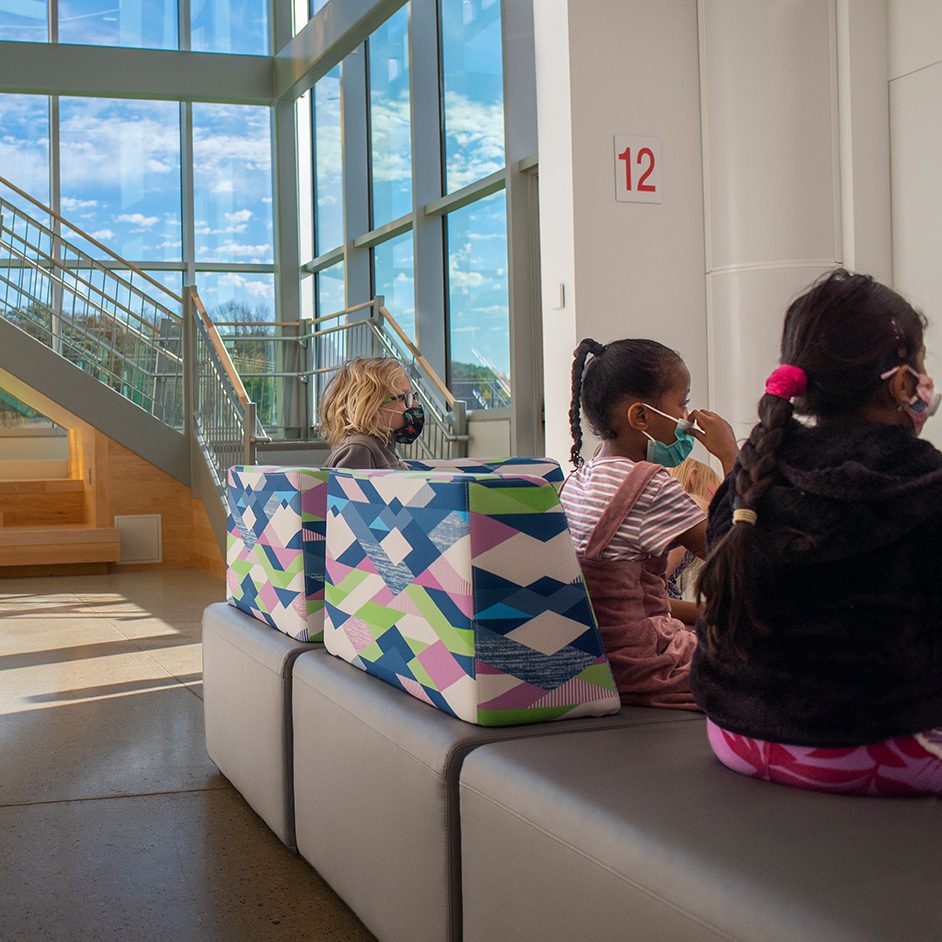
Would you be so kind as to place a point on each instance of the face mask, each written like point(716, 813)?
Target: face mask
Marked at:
point(669, 456)
point(413, 421)
point(924, 403)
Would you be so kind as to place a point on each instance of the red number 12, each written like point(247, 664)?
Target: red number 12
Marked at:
point(643, 187)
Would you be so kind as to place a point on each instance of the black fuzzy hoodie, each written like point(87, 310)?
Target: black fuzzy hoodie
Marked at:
point(848, 577)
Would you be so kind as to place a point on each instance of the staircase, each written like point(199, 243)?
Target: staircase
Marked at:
point(95, 335)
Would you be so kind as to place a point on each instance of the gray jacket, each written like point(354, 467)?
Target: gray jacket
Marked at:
point(363, 451)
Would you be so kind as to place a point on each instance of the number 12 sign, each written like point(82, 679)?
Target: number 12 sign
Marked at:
point(638, 169)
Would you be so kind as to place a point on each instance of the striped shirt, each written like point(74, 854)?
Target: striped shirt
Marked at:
point(661, 514)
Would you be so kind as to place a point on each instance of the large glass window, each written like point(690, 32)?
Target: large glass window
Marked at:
point(330, 291)
point(472, 77)
point(239, 26)
point(120, 173)
point(394, 277)
point(24, 147)
point(150, 24)
point(477, 302)
point(391, 148)
point(232, 183)
point(328, 164)
point(237, 296)
point(24, 21)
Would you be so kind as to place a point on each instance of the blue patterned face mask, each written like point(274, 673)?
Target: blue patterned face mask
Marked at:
point(669, 456)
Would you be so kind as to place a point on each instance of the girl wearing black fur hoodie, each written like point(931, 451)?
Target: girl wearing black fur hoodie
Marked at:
point(819, 661)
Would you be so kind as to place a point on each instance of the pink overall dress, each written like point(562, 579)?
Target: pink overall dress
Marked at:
point(650, 652)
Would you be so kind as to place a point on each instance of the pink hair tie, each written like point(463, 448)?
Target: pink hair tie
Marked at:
point(786, 382)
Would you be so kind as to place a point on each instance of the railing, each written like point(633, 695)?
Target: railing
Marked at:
point(103, 315)
point(291, 363)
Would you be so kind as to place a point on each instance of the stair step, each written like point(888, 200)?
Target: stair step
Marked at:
point(34, 503)
point(30, 546)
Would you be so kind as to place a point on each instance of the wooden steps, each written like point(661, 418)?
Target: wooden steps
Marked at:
point(37, 503)
point(67, 543)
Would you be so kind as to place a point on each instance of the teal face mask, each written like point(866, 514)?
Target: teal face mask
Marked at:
point(669, 456)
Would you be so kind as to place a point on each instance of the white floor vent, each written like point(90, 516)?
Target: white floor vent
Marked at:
point(140, 538)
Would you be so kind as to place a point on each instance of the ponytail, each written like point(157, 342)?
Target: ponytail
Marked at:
point(726, 582)
point(580, 355)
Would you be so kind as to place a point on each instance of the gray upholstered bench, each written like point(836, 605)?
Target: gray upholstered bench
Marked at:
point(376, 793)
point(640, 833)
point(247, 710)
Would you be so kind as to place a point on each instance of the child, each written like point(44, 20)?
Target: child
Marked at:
point(367, 407)
point(820, 655)
point(625, 512)
point(700, 481)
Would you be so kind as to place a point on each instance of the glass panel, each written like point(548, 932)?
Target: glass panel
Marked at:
point(121, 175)
point(150, 24)
point(15, 414)
point(394, 277)
point(239, 26)
point(330, 290)
point(24, 21)
point(317, 5)
point(232, 183)
point(24, 148)
point(328, 164)
point(473, 90)
point(391, 148)
point(479, 321)
point(237, 296)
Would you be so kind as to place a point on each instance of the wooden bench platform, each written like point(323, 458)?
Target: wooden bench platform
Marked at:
point(69, 543)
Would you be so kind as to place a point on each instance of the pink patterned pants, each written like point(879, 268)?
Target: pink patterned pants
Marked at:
point(907, 765)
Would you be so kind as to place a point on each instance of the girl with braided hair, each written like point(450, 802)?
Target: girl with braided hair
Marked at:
point(625, 512)
point(819, 662)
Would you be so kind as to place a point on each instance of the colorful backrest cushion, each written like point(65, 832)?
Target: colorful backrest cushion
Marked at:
point(463, 590)
point(275, 550)
point(546, 468)
point(275, 547)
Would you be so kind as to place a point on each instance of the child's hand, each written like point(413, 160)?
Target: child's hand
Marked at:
point(716, 435)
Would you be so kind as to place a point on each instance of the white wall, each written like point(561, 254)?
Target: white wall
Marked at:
point(607, 67)
point(915, 63)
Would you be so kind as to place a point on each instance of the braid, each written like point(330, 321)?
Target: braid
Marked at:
point(726, 579)
point(580, 355)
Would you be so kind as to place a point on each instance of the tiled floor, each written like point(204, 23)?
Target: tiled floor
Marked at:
point(114, 823)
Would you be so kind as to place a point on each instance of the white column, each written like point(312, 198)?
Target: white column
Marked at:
point(771, 146)
point(915, 34)
point(617, 269)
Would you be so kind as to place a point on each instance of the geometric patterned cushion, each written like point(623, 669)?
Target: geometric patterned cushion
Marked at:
point(463, 590)
point(546, 468)
point(275, 547)
point(275, 550)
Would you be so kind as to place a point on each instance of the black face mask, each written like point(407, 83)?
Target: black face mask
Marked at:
point(413, 422)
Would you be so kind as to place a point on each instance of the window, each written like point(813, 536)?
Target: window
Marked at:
point(330, 290)
point(150, 24)
point(394, 277)
point(477, 301)
point(120, 171)
point(24, 147)
point(472, 78)
point(237, 26)
point(390, 144)
point(328, 164)
point(24, 21)
point(232, 183)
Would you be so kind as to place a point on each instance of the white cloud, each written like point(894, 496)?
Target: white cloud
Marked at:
point(465, 280)
point(139, 219)
point(222, 186)
point(240, 215)
point(158, 166)
point(477, 132)
point(70, 204)
point(103, 235)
